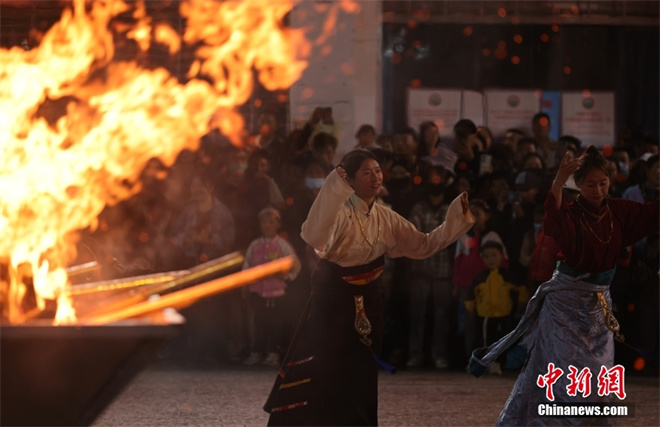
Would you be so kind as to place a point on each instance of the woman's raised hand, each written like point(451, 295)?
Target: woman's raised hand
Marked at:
point(567, 168)
point(341, 172)
point(465, 203)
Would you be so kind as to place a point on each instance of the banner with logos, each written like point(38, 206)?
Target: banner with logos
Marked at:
point(585, 115)
point(589, 117)
point(441, 106)
point(506, 109)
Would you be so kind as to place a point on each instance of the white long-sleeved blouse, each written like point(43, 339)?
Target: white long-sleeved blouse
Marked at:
point(342, 229)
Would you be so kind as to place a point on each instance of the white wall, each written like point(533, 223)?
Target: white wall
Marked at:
point(344, 70)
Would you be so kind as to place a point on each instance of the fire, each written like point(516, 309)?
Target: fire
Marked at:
point(78, 124)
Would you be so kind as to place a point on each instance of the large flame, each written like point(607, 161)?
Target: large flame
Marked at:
point(78, 125)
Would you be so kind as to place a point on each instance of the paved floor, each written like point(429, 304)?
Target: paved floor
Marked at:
point(233, 396)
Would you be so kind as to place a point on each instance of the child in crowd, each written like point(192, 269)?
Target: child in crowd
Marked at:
point(265, 324)
point(492, 297)
point(468, 263)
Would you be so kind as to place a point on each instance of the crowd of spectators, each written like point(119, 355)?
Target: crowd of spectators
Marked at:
point(208, 203)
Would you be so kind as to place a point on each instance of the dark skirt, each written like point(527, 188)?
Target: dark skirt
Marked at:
point(564, 326)
point(329, 375)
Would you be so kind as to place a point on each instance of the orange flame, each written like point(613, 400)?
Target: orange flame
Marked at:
point(77, 125)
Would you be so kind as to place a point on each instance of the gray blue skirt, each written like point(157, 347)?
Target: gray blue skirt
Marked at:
point(563, 327)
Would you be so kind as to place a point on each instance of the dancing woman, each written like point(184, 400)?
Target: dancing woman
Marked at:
point(569, 322)
point(329, 376)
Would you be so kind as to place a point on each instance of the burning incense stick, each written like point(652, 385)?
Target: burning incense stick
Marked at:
point(189, 296)
point(128, 292)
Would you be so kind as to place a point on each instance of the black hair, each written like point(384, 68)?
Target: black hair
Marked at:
point(593, 159)
point(516, 131)
point(352, 161)
point(531, 155)
point(365, 129)
point(253, 162)
point(425, 125)
point(482, 204)
point(464, 128)
point(540, 115)
point(324, 139)
point(422, 149)
point(570, 139)
point(528, 140)
point(382, 156)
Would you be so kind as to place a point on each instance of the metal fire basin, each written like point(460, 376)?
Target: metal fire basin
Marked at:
point(67, 375)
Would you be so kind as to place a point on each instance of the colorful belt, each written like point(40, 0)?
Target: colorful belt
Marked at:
point(364, 278)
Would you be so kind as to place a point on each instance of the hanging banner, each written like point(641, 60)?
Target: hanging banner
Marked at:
point(506, 109)
point(441, 106)
point(589, 117)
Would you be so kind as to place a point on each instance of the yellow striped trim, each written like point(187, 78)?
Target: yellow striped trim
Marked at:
point(295, 383)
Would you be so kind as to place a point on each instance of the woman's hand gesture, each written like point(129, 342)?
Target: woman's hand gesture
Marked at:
point(465, 203)
point(567, 168)
point(341, 172)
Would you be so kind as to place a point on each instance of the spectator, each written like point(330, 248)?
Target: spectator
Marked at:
point(324, 147)
point(271, 141)
point(533, 161)
point(429, 139)
point(568, 143)
point(617, 184)
point(622, 157)
point(646, 191)
point(204, 229)
point(467, 144)
point(321, 120)
point(530, 189)
point(525, 145)
point(405, 151)
point(491, 298)
point(257, 191)
point(366, 137)
point(468, 263)
point(512, 136)
point(232, 173)
point(546, 146)
point(430, 279)
point(385, 142)
point(263, 298)
point(486, 137)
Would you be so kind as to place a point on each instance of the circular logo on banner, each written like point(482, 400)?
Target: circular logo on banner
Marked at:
point(435, 99)
point(588, 103)
point(513, 101)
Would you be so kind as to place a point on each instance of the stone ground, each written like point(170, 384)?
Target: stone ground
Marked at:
point(233, 396)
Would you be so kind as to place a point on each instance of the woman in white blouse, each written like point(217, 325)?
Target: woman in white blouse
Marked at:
point(329, 376)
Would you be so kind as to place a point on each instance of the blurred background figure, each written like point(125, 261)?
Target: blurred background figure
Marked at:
point(546, 146)
point(265, 318)
point(366, 137)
